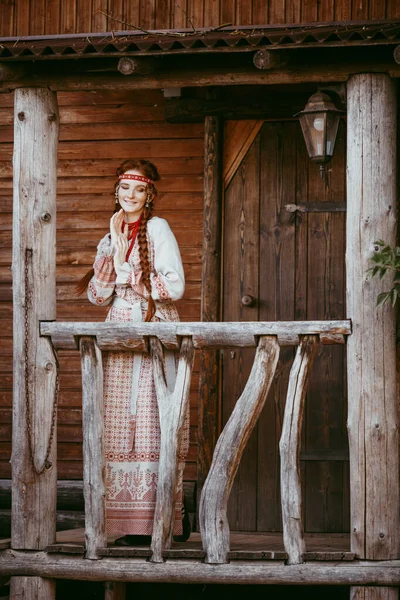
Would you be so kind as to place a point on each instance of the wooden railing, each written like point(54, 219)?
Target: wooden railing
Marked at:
point(93, 338)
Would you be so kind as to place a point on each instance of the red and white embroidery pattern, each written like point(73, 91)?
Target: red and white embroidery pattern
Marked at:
point(161, 289)
point(132, 472)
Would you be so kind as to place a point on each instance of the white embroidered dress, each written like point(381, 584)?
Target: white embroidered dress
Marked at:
point(132, 430)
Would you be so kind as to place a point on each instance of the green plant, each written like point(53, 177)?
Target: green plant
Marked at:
point(386, 259)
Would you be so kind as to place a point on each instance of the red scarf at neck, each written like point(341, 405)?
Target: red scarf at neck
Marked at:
point(133, 229)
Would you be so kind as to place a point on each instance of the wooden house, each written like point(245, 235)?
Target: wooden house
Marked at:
point(280, 334)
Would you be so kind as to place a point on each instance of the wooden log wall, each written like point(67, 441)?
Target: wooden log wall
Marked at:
point(97, 131)
point(37, 17)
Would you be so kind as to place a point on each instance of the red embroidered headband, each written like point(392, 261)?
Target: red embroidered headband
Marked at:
point(136, 178)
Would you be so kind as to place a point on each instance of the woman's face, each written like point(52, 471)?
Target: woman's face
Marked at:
point(132, 196)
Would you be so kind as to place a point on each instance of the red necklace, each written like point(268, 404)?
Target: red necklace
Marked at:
point(133, 229)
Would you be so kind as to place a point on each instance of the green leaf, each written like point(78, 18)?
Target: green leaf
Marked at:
point(382, 298)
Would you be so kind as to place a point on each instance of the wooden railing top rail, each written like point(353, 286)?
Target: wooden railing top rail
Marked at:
point(134, 336)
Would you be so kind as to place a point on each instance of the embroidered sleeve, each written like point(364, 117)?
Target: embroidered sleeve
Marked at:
point(168, 279)
point(125, 274)
point(104, 248)
point(101, 286)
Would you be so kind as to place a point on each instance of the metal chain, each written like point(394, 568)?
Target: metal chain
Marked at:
point(47, 463)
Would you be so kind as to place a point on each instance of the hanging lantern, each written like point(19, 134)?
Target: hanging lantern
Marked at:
point(319, 122)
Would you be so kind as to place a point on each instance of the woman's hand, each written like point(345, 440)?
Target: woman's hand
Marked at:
point(116, 227)
point(121, 248)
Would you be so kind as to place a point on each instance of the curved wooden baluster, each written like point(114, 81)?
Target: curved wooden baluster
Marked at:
point(289, 447)
point(229, 449)
point(172, 408)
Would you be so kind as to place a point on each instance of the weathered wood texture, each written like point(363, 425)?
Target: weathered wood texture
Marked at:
point(374, 593)
point(35, 366)
point(371, 350)
point(292, 264)
point(22, 17)
point(34, 488)
point(172, 408)
point(97, 132)
point(94, 466)
point(214, 524)
point(32, 588)
point(114, 590)
point(210, 295)
point(218, 76)
point(289, 447)
point(132, 336)
point(238, 138)
point(386, 573)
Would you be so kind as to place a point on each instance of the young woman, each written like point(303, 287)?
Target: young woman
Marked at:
point(138, 271)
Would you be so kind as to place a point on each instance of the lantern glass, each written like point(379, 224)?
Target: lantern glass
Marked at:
point(319, 122)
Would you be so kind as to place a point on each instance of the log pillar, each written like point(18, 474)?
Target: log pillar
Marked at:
point(34, 460)
point(371, 349)
point(210, 294)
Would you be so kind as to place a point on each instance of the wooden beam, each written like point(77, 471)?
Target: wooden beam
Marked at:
point(34, 488)
point(36, 564)
point(66, 519)
point(172, 408)
point(202, 77)
point(130, 336)
point(371, 350)
point(265, 59)
point(94, 465)
point(210, 296)
point(10, 72)
point(260, 105)
point(213, 518)
point(289, 446)
point(136, 66)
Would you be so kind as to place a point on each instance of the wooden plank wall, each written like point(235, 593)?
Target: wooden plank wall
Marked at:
point(37, 17)
point(98, 131)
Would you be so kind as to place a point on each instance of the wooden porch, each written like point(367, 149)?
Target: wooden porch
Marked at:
point(369, 555)
point(244, 546)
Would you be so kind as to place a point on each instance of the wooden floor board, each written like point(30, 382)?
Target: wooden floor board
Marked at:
point(244, 546)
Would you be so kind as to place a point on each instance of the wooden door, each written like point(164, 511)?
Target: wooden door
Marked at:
point(292, 265)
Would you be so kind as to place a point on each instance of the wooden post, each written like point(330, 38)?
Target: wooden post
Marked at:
point(229, 450)
point(94, 466)
point(34, 296)
point(115, 590)
point(172, 408)
point(289, 447)
point(210, 295)
point(371, 349)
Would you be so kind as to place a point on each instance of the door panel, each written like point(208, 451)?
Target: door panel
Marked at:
point(241, 269)
point(292, 264)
